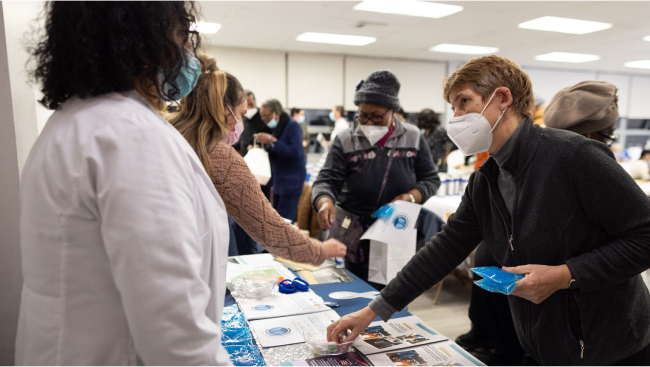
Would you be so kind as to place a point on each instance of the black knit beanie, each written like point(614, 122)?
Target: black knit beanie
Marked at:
point(380, 88)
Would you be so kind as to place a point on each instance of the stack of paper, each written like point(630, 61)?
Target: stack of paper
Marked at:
point(285, 305)
point(288, 330)
point(446, 353)
point(400, 333)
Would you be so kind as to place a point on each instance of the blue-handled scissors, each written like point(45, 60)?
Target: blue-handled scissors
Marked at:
point(291, 286)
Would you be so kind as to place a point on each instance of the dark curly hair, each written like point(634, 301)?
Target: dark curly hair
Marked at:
point(93, 48)
point(428, 119)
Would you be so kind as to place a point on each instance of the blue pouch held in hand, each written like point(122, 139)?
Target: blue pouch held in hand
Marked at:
point(245, 355)
point(233, 320)
point(492, 286)
point(497, 275)
point(240, 336)
point(384, 212)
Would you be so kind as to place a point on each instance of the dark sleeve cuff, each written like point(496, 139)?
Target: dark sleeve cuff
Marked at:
point(382, 308)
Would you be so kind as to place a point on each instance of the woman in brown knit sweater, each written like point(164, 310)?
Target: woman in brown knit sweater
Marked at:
point(209, 118)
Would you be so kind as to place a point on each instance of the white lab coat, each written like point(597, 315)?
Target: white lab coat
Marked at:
point(124, 242)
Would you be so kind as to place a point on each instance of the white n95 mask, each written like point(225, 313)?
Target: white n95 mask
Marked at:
point(471, 132)
point(373, 133)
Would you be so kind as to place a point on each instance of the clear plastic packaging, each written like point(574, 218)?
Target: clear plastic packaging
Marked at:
point(239, 336)
point(384, 212)
point(245, 355)
point(254, 287)
point(492, 286)
point(320, 345)
point(497, 275)
point(233, 320)
point(227, 310)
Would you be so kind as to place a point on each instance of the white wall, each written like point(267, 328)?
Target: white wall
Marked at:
point(262, 72)
point(421, 82)
point(18, 131)
point(548, 82)
point(315, 81)
point(640, 97)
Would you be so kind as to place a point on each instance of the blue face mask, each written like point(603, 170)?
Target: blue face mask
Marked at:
point(186, 80)
point(273, 123)
point(332, 117)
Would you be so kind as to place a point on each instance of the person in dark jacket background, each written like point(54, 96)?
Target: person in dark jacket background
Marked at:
point(550, 204)
point(353, 173)
point(253, 124)
point(436, 137)
point(287, 157)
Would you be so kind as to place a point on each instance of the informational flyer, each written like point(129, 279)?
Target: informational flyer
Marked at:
point(258, 259)
point(445, 353)
point(274, 269)
point(326, 276)
point(285, 305)
point(392, 230)
point(289, 330)
point(345, 359)
point(400, 333)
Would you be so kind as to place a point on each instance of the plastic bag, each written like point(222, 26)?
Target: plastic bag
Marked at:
point(233, 320)
point(384, 212)
point(492, 286)
point(245, 355)
point(227, 310)
point(258, 162)
point(240, 336)
point(497, 275)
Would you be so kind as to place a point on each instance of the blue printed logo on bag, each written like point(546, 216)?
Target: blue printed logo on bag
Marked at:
point(400, 222)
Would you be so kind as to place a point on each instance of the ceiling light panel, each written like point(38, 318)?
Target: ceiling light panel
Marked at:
point(646, 38)
point(564, 25)
point(567, 57)
point(641, 64)
point(205, 27)
point(464, 49)
point(337, 39)
point(412, 8)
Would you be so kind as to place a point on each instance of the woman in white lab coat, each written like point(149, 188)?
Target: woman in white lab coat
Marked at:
point(124, 239)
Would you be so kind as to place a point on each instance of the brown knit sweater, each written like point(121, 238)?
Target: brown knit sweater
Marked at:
point(246, 203)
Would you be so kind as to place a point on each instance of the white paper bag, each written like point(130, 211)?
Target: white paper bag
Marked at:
point(386, 260)
point(257, 160)
point(393, 230)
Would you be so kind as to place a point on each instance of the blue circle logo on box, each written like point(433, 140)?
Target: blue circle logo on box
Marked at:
point(262, 307)
point(401, 222)
point(278, 331)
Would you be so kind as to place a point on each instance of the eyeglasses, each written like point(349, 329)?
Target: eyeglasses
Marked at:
point(376, 119)
point(612, 138)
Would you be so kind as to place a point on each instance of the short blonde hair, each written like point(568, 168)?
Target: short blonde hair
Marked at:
point(487, 73)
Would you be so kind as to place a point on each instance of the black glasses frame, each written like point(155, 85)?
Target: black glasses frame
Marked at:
point(376, 119)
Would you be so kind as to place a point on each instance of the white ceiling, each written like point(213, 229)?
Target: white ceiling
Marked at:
point(274, 25)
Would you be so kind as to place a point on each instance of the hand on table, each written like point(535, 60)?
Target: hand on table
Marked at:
point(326, 213)
point(541, 281)
point(356, 322)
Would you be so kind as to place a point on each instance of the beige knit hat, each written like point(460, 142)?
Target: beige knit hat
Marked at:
point(584, 108)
